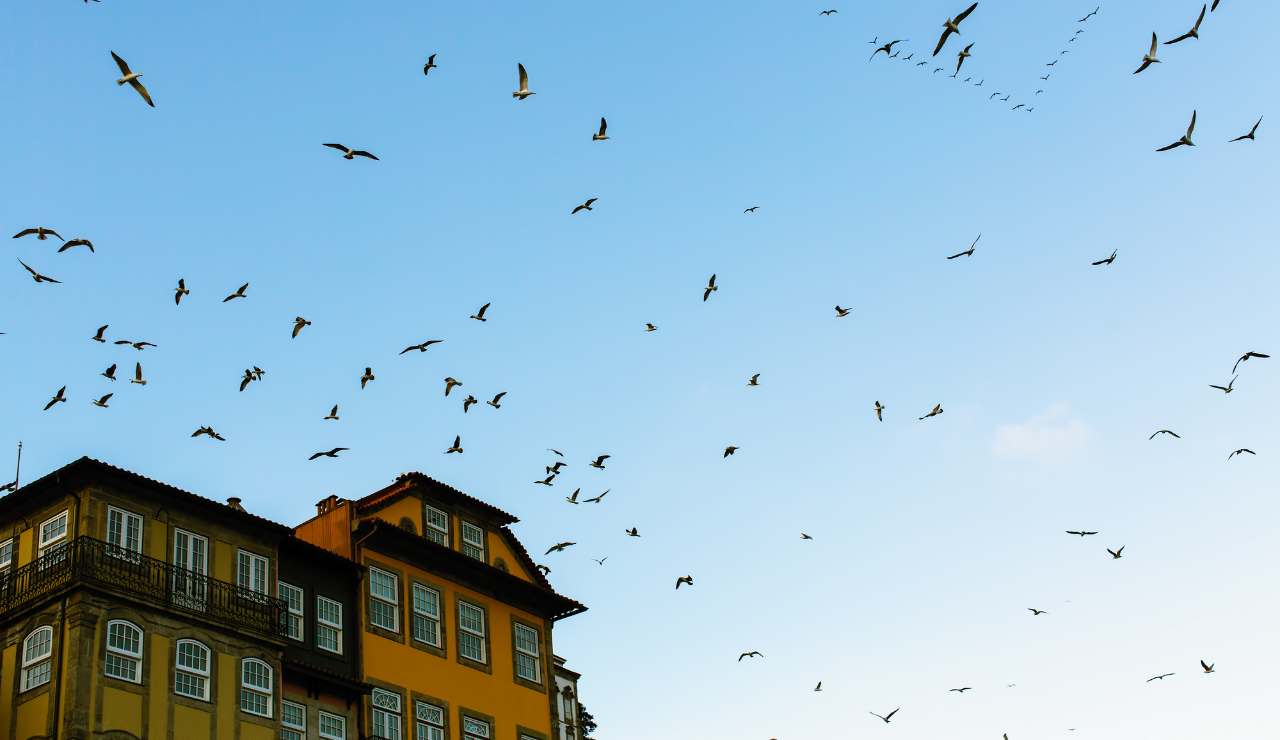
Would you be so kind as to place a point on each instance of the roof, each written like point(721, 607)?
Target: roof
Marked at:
point(525, 558)
point(87, 469)
point(316, 551)
point(406, 482)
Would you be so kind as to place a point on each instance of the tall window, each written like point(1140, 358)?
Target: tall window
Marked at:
point(124, 651)
point(191, 670)
point(384, 600)
point(437, 529)
point(255, 687)
point(37, 654)
point(329, 625)
point(475, 729)
point(471, 632)
point(53, 536)
point(528, 663)
point(293, 721)
point(428, 721)
point(333, 726)
point(386, 715)
point(472, 541)
point(426, 615)
point(191, 555)
point(251, 572)
point(124, 533)
point(292, 596)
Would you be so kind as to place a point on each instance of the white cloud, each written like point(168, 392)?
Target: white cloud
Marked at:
point(1053, 436)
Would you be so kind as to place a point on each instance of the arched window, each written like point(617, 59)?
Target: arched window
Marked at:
point(124, 651)
point(407, 525)
point(191, 670)
point(255, 687)
point(37, 654)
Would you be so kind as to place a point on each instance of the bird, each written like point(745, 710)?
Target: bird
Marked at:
point(239, 293)
point(496, 401)
point(331, 453)
point(952, 26)
point(349, 153)
point(687, 580)
point(597, 499)
point(37, 276)
point(937, 409)
point(180, 291)
point(544, 570)
point(804, 536)
point(885, 718)
point(59, 397)
point(731, 449)
point(333, 414)
point(557, 452)
point(969, 252)
point(1039, 91)
point(546, 481)
point(1241, 451)
point(1246, 357)
point(131, 77)
point(457, 445)
point(962, 689)
point(449, 385)
point(706, 293)
point(1116, 554)
point(430, 65)
point(140, 346)
point(1228, 388)
point(421, 347)
point(368, 375)
point(1186, 138)
point(601, 135)
point(1106, 261)
point(109, 373)
point(936, 70)
point(649, 328)
point(887, 48)
point(523, 92)
point(137, 375)
point(752, 654)
point(1052, 64)
point(1161, 677)
point(1080, 533)
point(754, 380)
point(585, 206)
point(246, 380)
point(298, 324)
point(1019, 105)
point(1005, 99)
point(598, 463)
point(1194, 33)
point(992, 95)
point(1047, 76)
point(97, 337)
point(922, 63)
point(1251, 136)
point(1095, 12)
point(832, 11)
point(41, 232)
point(874, 41)
point(102, 402)
point(559, 547)
point(601, 560)
point(818, 687)
point(556, 468)
point(573, 497)
point(752, 209)
point(1036, 612)
point(468, 402)
point(208, 432)
point(1208, 667)
point(963, 55)
point(879, 408)
point(1149, 58)
point(633, 532)
point(1214, 6)
point(1173, 434)
point(75, 243)
point(479, 315)
point(842, 312)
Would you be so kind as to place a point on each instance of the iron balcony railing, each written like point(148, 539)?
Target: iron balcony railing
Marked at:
point(91, 562)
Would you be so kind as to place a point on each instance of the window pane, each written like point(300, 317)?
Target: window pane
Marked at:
point(383, 585)
point(332, 727)
point(293, 716)
point(383, 615)
point(187, 684)
point(426, 601)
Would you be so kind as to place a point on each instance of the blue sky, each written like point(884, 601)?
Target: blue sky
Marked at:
point(932, 538)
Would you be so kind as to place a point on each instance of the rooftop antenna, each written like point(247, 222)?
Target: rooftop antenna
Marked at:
point(17, 474)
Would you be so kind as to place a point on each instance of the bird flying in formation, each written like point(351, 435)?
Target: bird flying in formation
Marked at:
point(40, 232)
point(59, 397)
point(1194, 33)
point(1149, 58)
point(75, 243)
point(102, 402)
point(456, 446)
point(523, 92)
point(1095, 12)
point(597, 499)
point(952, 26)
point(468, 402)
point(832, 11)
point(333, 414)
point(368, 376)
point(573, 497)
point(1186, 138)
point(752, 209)
point(131, 77)
point(731, 449)
point(1108, 260)
point(1080, 533)
point(649, 328)
point(633, 532)
point(559, 547)
point(842, 312)
point(349, 153)
point(137, 375)
point(879, 408)
point(1164, 431)
point(109, 373)
point(887, 48)
point(963, 55)
point(208, 432)
point(752, 654)
point(1208, 667)
point(1246, 357)
point(449, 384)
point(421, 347)
point(962, 689)
point(1227, 388)
point(1036, 612)
point(1161, 677)
point(754, 380)
point(479, 315)
point(706, 293)
point(37, 276)
point(1116, 554)
point(599, 462)
point(496, 401)
point(97, 337)
point(1241, 451)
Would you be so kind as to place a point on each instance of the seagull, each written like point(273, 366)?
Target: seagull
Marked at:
point(41, 233)
point(1052, 64)
point(75, 243)
point(37, 276)
point(1250, 136)
point(457, 445)
point(889, 716)
point(936, 70)
point(992, 95)
point(573, 497)
point(601, 560)
point(1246, 357)
point(98, 337)
point(842, 312)
point(546, 481)
point(687, 580)
point(298, 324)
point(1149, 58)
point(180, 291)
point(1080, 533)
point(557, 452)
point(238, 294)
point(633, 532)
point(599, 462)
point(731, 449)
point(1106, 261)
point(59, 397)
point(246, 380)
point(1208, 667)
point(137, 375)
point(874, 41)
point(333, 414)
point(1229, 387)
point(963, 55)
point(131, 77)
point(468, 402)
point(649, 328)
point(597, 499)
point(523, 92)
point(102, 402)
point(430, 65)
point(1036, 612)
point(752, 209)
point(544, 570)
point(752, 654)
point(1241, 451)
point(937, 409)
point(804, 536)
point(559, 547)
point(600, 135)
point(962, 690)
point(1019, 105)
point(818, 687)
point(1186, 138)
point(349, 153)
point(1047, 76)
point(1095, 12)
point(1194, 33)
point(109, 373)
point(140, 346)
point(969, 252)
point(706, 293)
point(922, 63)
point(331, 453)
point(208, 431)
point(879, 407)
point(1005, 99)
point(449, 385)
point(479, 315)
point(1161, 677)
point(1164, 431)
point(887, 48)
point(368, 375)
point(421, 347)
point(1214, 6)
point(1116, 554)
point(833, 11)
point(496, 401)
point(586, 206)
point(952, 26)
point(1039, 91)
point(556, 468)
point(754, 380)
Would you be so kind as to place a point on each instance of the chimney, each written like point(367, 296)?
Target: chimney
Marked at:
point(325, 505)
point(234, 502)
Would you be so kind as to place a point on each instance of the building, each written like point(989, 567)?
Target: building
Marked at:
point(566, 715)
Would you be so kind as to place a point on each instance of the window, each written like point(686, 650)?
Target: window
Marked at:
point(124, 651)
point(255, 687)
point(428, 721)
point(437, 529)
point(53, 537)
point(528, 665)
point(471, 632)
point(6, 554)
point(475, 729)
point(37, 651)
point(191, 556)
point(384, 600)
point(333, 726)
point(191, 670)
point(293, 721)
point(124, 533)
point(472, 541)
point(386, 714)
point(329, 625)
point(292, 596)
point(426, 615)
point(251, 572)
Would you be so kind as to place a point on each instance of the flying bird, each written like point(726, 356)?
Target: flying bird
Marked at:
point(573, 497)
point(349, 153)
point(731, 449)
point(1161, 677)
point(1080, 533)
point(40, 232)
point(246, 379)
point(1019, 105)
point(599, 462)
point(1149, 58)
point(601, 560)
point(885, 718)
point(468, 402)
point(548, 481)
point(449, 385)
point(1116, 554)
point(131, 77)
point(1251, 136)
point(180, 291)
point(952, 26)
point(102, 402)
point(649, 328)
point(597, 499)
point(752, 209)
point(137, 375)
point(37, 276)
point(963, 55)
point(1246, 357)
point(1241, 451)
point(75, 243)
point(457, 445)
point(140, 346)
point(969, 252)
point(240, 293)
point(556, 468)
point(1228, 388)
point(818, 687)
point(368, 375)
point(420, 347)
point(1095, 12)
point(298, 324)
point(430, 65)
point(601, 135)
point(1194, 33)
point(333, 414)
point(687, 580)
point(633, 532)
point(586, 206)
point(496, 401)
point(937, 409)
point(1036, 612)
point(1175, 435)
point(559, 547)
point(962, 690)
point(59, 397)
point(833, 11)
point(523, 92)
point(706, 293)
point(879, 408)
point(98, 336)
point(331, 453)
point(842, 312)
point(752, 654)
point(754, 380)
point(804, 536)
point(1106, 261)
point(1208, 667)
point(208, 432)
point(109, 373)
point(479, 315)
point(557, 452)
point(887, 48)
point(1186, 138)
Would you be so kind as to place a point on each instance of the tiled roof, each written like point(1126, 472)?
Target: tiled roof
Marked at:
point(405, 481)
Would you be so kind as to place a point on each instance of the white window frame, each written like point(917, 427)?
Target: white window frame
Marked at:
point(6, 554)
point(121, 549)
point(397, 732)
point(394, 602)
point(125, 656)
point(33, 663)
point(326, 624)
point(467, 543)
point(254, 559)
point(268, 692)
point(299, 731)
point(191, 591)
point(55, 543)
point(438, 641)
point(341, 721)
point(296, 617)
point(429, 728)
point(428, 528)
point(535, 656)
point(481, 635)
point(469, 735)
point(200, 674)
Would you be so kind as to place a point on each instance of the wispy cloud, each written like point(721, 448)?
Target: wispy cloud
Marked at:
point(1053, 436)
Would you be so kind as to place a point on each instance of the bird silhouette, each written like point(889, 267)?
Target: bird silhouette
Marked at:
point(328, 453)
point(430, 65)
point(1186, 138)
point(601, 135)
point(686, 580)
point(1194, 33)
point(1251, 136)
point(1149, 58)
point(349, 153)
point(885, 718)
point(456, 446)
point(131, 78)
point(239, 293)
point(952, 26)
point(299, 324)
point(523, 92)
point(479, 315)
point(59, 397)
point(972, 247)
point(180, 291)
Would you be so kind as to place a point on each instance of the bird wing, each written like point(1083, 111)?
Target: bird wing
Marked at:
point(1191, 128)
point(524, 77)
point(24, 264)
point(137, 370)
point(136, 84)
point(942, 40)
point(122, 64)
point(499, 396)
point(457, 440)
point(1153, 44)
point(363, 153)
point(959, 18)
point(603, 125)
point(896, 711)
point(485, 307)
point(1200, 20)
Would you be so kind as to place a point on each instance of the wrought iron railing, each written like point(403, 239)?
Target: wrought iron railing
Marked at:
point(92, 562)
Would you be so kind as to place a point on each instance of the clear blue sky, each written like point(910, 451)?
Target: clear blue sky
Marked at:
point(932, 538)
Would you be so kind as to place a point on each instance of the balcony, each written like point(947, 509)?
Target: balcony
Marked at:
point(89, 562)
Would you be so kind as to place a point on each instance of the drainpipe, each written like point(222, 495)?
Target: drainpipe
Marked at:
point(62, 617)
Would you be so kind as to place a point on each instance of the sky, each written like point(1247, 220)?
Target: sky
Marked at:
point(931, 538)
